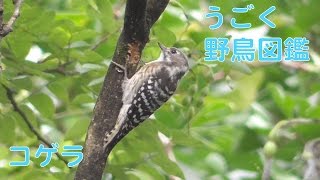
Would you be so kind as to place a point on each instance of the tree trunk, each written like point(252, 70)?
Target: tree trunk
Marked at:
point(140, 15)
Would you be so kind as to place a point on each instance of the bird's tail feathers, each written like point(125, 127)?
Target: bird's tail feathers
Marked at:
point(117, 127)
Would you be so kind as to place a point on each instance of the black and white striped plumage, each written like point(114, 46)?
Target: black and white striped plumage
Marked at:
point(147, 90)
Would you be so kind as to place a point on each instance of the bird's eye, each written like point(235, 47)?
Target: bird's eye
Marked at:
point(173, 51)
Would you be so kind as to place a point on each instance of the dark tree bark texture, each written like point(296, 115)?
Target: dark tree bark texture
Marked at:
point(140, 15)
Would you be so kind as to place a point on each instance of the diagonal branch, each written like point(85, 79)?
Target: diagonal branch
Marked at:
point(154, 10)
point(140, 15)
point(26, 120)
point(103, 39)
point(7, 28)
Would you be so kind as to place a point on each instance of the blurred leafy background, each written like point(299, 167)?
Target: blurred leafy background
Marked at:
point(216, 125)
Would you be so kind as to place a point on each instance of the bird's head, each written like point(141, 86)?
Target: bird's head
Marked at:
point(173, 54)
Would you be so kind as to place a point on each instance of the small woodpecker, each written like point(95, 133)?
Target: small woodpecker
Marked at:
point(147, 90)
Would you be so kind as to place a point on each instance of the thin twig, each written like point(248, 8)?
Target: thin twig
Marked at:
point(62, 71)
point(27, 121)
point(103, 39)
point(7, 28)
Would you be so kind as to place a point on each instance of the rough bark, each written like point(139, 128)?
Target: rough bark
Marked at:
point(140, 15)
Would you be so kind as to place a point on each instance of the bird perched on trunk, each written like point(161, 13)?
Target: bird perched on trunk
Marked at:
point(147, 90)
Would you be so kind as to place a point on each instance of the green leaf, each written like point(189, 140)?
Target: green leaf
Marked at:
point(238, 66)
point(246, 90)
point(139, 174)
point(213, 110)
point(4, 152)
point(170, 20)
point(7, 130)
point(164, 35)
point(43, 104)
point(283, 101)
point(33, 174)
point(170, 167)
point(59, 37)
point(37, 20)
point(313, 112)
point(19, 46)
point(60, 90)
point(177, 136)
point(23, 83)
point(152, 170)
point(82, 99)
point(79, 18)
point(166, 116)
point(21, 123)
point(103, 10)
point(3, 95)
point(84, 35)
point(90, 56)
point(217, 162)
point(78, 130)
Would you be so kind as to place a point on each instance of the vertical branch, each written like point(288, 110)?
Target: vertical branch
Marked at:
point(140, 15)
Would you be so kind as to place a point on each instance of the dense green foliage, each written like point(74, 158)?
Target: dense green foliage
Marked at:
point(219, 120)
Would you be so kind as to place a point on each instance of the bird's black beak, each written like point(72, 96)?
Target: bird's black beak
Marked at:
point(162, 47)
